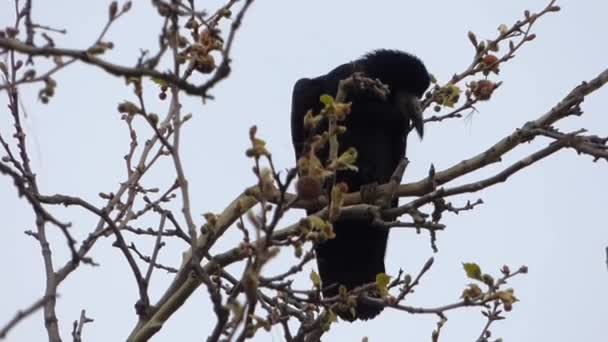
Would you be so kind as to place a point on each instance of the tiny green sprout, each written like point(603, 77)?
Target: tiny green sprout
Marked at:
point(471, 292)
point(507, 298)
point(258, 146)
point(328, 318)
point(340, 129)
point(327, 101)
point(311, 121)
point(382, 281)
point(316, 280)
point(341, 110)
point(337, 200)
point(160, 82)
point(345, 161)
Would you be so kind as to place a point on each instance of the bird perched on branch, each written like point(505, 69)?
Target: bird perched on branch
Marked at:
point(377, 128)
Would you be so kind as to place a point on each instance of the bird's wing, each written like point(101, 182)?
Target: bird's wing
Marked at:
point(306, 93)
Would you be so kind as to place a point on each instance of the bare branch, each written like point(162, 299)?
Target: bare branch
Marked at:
point(22, 314)
point(79, 325)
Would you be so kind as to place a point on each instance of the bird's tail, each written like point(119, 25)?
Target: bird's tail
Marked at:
point(352, 259)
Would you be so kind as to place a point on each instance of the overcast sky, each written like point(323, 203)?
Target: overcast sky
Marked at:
point(550, 217)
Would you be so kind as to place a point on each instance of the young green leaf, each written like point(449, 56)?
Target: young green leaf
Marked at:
point(316, 280)
point(382, 281)
point(473, 270)
point(327, 100)
point(328, 318)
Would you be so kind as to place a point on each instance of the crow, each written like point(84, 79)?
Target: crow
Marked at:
point(377, 128)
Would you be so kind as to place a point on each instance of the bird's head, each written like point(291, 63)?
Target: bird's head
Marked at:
point(406, 77)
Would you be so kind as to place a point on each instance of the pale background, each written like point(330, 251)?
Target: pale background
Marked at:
point(550, 217)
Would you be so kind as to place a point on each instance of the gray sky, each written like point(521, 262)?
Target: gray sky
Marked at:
point(549, 217)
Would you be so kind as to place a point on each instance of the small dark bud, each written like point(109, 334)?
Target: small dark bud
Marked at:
point(407, 279)
point(112, 10)
point(28, 75)
point(153, 119)
point(472, 38)
point(428, 264)
point(487, 279)
point(127, 6)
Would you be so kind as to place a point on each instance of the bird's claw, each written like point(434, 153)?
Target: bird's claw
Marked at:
point(370, 193)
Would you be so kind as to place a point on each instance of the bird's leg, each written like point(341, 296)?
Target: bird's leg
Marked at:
point(370, 193)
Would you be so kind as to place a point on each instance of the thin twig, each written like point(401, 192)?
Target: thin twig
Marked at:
point(21, 315)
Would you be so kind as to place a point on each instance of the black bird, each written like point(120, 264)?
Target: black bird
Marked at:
point(378, 130)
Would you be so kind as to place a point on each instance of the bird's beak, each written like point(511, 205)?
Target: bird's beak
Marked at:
point(417, 119)
point(410, 106)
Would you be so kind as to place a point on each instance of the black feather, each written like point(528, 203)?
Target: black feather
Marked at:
point(378, 130)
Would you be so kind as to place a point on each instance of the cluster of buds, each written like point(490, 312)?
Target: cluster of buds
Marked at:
point(313, 174)
point(311, 170)
point(473, 292)
point(446, 96)
point(482, 90)
point(258, 146)
point(205, 40)
point(316, 229)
